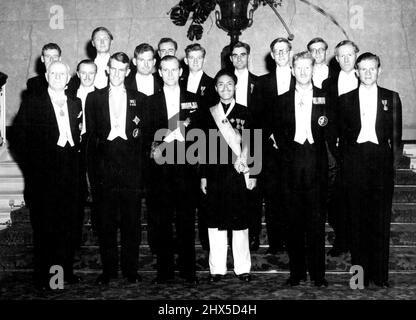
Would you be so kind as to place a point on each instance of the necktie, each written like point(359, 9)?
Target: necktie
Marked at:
point(225, 106)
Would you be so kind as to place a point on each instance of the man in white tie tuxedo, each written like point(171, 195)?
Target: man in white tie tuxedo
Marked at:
point(269, 87)
point(114, 152)
point(303, 125)
point(101, 39)
point(172, 186)
point(80, 86)
point(343, 82)
point(370, 131)
point(46, 142)
point(244, 95)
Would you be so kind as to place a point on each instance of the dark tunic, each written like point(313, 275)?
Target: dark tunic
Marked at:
point(226, 189)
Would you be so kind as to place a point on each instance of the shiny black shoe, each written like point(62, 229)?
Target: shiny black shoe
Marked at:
point(42, 286)
point(161, 280)
point(102, 279)
point(254, 243)
point(321, 283)
point(382, 284)
point(337, 251)
point(275, 250)
point(72, 279)
point(191, 280)
point(134, 278)
point(246, 277)
point(293, 282)
point(215, 277)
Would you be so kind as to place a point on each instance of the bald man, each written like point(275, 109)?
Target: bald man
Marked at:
point(46, 141)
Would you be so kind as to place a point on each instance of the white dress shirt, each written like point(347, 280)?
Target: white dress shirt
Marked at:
point(241, 87)
point(320, 73)
point(145, 84)
point(173, 107)
point(193, 81)
point(283, 77)
point(303, 114)
point(346, 82)
point(172, 100)
point(60, 106)
point(101, 79)
point(118, 110)
point(82, 93)
point(368, 112)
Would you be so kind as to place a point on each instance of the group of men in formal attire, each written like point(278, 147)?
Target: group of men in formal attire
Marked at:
point(329, 143)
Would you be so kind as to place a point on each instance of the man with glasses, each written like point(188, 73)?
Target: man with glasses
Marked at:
point(115, 133)
point(38, 85)
point(101, 40)
point(318, 48)
point(245, 86)
point(269, 87)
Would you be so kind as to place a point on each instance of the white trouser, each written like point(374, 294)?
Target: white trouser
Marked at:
point(218, 251)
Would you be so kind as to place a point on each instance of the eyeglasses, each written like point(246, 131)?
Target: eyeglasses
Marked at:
point(281, 52)
point(319, 51)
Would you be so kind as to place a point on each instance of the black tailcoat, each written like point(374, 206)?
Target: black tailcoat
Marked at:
point(51, 180)
point(172, 188)
point(305, 170)
point(115, 170)
point(368, 171)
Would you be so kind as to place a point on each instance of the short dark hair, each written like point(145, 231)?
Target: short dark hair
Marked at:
point(279, 40)
point(51, 46)
point(143, 47)
point(120, 57)
point(86, 61)
point(346, 42)
point(317, 40)
point(241, 44)
point(169, 58)
point(303, 55)
point(368, 56)
point(225, 72)
point(195, 47)
point(164, 40)
point(101, 29)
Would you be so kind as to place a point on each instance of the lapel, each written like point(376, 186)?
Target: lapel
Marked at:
point(74, 121)
point(355, 114)
point(380, 111)
point(133, 83)
point(105, 109)
point(130, 112)
point(202, 83)
point(273, 83)
point(291, 114)
point(250, 87)
point(50, 116)
point(163, 114)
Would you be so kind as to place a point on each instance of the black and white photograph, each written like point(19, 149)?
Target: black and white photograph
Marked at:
point(207, 158)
